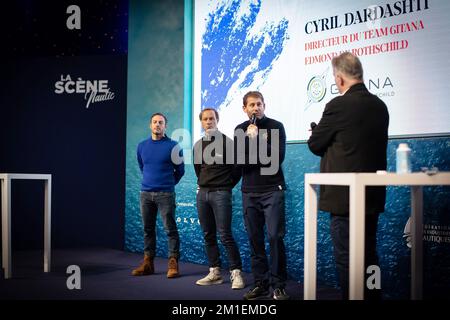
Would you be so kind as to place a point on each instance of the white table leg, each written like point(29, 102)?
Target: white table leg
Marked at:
point(310, 249)
point(357, 238)
point(47, 224)
point(6, 227)
point(417, 242)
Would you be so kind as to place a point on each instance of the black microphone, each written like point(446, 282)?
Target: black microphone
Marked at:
point(253, 119)
point(313, 125)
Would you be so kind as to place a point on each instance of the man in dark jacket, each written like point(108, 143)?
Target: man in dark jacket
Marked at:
point(217, 175)
point(351, 137)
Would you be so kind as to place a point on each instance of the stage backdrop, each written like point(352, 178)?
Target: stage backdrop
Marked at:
point(156, 84)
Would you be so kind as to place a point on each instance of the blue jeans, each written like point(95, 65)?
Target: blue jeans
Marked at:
point(339, 226)
point(215, 212)
point(164, 202)
point(266, 209)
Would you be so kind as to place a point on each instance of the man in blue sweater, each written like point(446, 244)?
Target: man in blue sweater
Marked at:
point(161, 163)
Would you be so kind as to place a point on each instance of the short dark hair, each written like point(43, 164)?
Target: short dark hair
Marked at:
point(208, 109)
point(158, 114)
point(348, 64)
point(254, 94)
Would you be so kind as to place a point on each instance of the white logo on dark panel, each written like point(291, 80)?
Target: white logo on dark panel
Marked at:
point(93, 90)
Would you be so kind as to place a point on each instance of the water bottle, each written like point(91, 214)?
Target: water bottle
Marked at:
point(403, 159)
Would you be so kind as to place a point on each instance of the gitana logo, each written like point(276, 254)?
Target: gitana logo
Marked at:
point(93, 90)
point(316, 89)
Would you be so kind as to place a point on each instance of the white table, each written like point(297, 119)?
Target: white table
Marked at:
point(357, 183)
point(5, 179)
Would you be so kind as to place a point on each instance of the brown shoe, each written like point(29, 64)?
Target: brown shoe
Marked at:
point(145, 268)
point(172, 271)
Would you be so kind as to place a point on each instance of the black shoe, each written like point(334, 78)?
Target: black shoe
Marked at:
point(280, 294)
point(256, 292)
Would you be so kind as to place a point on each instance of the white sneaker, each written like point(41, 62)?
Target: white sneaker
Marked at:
point(237, 282)
point(213, 277)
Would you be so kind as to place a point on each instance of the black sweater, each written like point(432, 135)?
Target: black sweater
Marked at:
point(221, 174)
point(253, 179)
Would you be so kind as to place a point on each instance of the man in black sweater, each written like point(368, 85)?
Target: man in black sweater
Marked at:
point(217, 175)
point(260, 145)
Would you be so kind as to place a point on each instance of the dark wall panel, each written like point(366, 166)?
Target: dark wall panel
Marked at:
point(46, 131)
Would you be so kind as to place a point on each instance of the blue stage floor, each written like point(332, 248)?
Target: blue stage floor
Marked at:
point(105, 275)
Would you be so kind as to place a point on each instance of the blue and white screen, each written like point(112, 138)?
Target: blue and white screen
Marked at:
point(284, 48)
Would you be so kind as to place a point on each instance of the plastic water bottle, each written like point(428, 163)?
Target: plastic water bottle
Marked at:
point(403, 159)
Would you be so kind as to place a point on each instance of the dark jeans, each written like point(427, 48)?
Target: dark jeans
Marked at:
point(215, 212)
point(164, 202)
point(340, 236)
point(266, 209)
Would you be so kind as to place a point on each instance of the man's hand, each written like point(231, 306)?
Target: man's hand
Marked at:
point(252, 131)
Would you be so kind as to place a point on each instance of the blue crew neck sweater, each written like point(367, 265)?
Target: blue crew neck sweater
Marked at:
point(159, 172)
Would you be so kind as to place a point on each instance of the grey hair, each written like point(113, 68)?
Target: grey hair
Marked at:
point(348, 64)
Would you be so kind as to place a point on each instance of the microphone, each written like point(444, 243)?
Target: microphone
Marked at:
point(253, 119)
point(313, 125)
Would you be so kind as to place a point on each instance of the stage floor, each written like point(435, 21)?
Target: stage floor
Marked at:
point(106, 275)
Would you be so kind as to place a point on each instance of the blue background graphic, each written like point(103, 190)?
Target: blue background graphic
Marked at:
point(228, 49)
